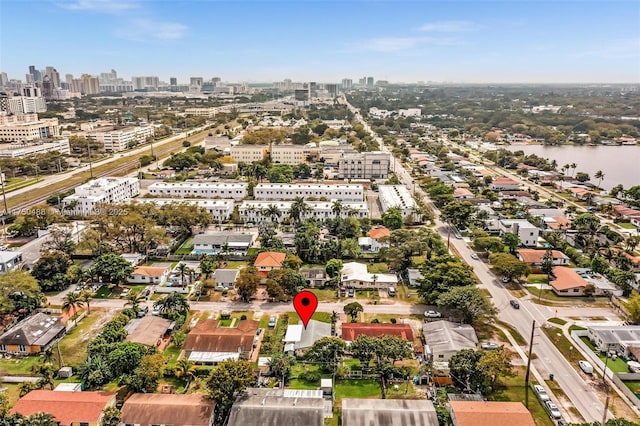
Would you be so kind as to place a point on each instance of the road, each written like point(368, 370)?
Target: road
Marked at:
point(31, 250)
point(549, 359)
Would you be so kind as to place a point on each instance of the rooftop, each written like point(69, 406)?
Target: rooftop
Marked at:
point(490, 413)
point(207, 336)
point(566, 279)
point(36, 330)
point(270, 259)
point(626, 335)
point(146, 330)
point(350, 331)
point(174, 409)
point(273, 407)
point(66, 407)
point(388, 412)
point(536, 256)
point(150, 271)
point(443, 336)
point(379, 232)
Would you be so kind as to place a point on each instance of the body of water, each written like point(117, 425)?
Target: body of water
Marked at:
point(620, 164)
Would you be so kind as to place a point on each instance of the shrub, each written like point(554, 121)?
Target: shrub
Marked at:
point(393, 320)
point(243, 317)
point(310, 376)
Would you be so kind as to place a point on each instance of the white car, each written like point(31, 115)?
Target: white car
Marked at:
point(475, 256)
point(585, 366)
point(489, 346)
point(542, 394)
point(432, 314)
point(553, 410)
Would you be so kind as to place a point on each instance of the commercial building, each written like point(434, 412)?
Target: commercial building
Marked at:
point(293, 154)
point(27, 127)
point(109, 190)
point(256, 211)
point(201, 112)
point(249, 153)
point(116, 140)
point(236, 191)
point(220, 209)
point(527, 232)
point(317, 191)
point(145, 83)
point(397, 196)
point(364, 165)
point(22, 104)
point(21, 149)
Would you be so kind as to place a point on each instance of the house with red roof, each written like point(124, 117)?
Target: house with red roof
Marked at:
point(267, 261)
point(350, 331)
point(503, 183)
point(69, 408)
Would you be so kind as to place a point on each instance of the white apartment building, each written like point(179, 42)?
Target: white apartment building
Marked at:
point(364, 165)
point(255, 211)
point(293, 154)
point(289, 191)
point(249, 153)
point(27, 127)
point(18, 149)
point(220, 209)
point(26, 104)
point(109, 190)
point(236, 191)
point(396, 196)
point(527, 232)
point(201, 112)
point(116, 140)
point(410, 112)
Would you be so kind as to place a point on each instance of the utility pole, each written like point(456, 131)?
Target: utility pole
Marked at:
point(606, 388)
point(4, 195)
point(526, 376)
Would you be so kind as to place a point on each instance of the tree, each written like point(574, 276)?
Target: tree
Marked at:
point(441, 274)
point(326, 351)
point(547, 264)
point(469, 300)
point(246, 285)
point(86, 297)
point(111, 268)
point(494, 365)
point(350, 249)
point(353, 309)
point(225, 381)
point(489, 244)
point(392, 218)
point(134, 299)
point(146, 375)
point(19, 293)
point(599, 265)
point(291, 281)
point(186, 370)
point(71, 302)
point(111, 416)
point(463, 367)
point(41, 419)
point(274, 290)
point(60, 238)
point(172, 305)
point(511, 240)
point(623, 279)
point(333, 267)
point(280, 365)
point(582, 177)
point(458, 213)
point(50, 270)
point(600, 176)
point(292, 261)
point(508, 266)
point(633, 307)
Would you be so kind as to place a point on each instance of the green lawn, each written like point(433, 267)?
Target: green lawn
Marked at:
point(186, 247)
point(302, 384)
point(563, 344)
point(318, 316)
point(550, 296)
point(516, 335)
point(357, 389)
point(537, 279)
point(633, 385)
point(378, 268)
point(618, 365)
point(558, 321)
point(73, 347)
point(626, 225)
point(235, 264)
point(325, 294)
point(19, 366)
point(103, 292)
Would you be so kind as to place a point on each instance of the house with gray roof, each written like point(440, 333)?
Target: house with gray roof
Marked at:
point(615, 338)
point(280, 407)
point(32, 335)
point(10, 260)
point(225, 278)
point(298, 338)
point(444, 338)
point(388, 412)
point(216, 242)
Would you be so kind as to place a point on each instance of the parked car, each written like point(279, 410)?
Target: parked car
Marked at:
point(489, 346)
point(391, 291)
point(562, 423)
point(125, 292)
point(145, 293)
point(505, 280)
point(143, 311)
point(272, 321)
point(432, 314)
point(585, 366)
point(155, 312)
point(343, 292)
point(515, 304)
point(541, 392)
point(553, 410)
point(352, 292)
point(474, 256)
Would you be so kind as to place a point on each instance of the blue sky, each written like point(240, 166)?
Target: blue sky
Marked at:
point(440, 41)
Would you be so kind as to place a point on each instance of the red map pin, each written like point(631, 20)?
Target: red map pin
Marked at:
point(305, 303)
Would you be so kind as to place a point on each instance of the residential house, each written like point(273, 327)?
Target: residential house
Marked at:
point(315, 277)
point(148, 330)
point(350, 331)
point(68, 408)
point(278, 407)
point(150, 275)
point(32, 335)
point(615, 338)
point(267, 261)
point(225, 278)
point(567, 282)
point(377, 238)
point(217, 242)
point(388, 412)
point(355, 275)
point(462, 194)
point(443, 339)
point(150, 409)
point(489, 413)
point(208, 343)
point(580, 193)
point(534, 258)
point(504, 184)
point(10, 260)
point(568, 277)
point(298, 338)
point(527, 232)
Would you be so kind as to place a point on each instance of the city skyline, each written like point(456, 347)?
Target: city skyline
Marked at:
point(456, 42)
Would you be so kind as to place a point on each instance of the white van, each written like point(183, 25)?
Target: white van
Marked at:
point(585, 366)
point(391, 291)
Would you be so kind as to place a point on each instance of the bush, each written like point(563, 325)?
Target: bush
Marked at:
point(375, 321)
point(243, 317)
point(393, 320)
point(310, 376)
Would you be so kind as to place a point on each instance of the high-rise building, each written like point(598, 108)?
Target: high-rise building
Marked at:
point(196, 81)
point(145, 83)
point(332, 89)
point(68, 78)
point(362, 81)
point(369, 81)
point(347, 84)
point(4, 80)
point(217, 81)
point(54, 76)
point(89, 85)
point(173, 81)
point(35, 74)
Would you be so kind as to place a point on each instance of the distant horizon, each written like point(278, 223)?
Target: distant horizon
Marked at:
point(460, 42)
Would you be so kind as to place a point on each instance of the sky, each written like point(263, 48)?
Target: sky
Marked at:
point(264, 41)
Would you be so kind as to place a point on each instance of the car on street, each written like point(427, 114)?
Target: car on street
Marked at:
point(562, 423)
point(475, 256)
point(541, 392)
point(585, 366)
point(514, 303)
point(272, 321)
point(553, 410)
point(432, 314)
point(489, 346)
point(505, 280)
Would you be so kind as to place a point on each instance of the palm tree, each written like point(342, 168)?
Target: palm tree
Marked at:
point(86, 296)
point(565, 168)
point(272, 211)
point(134, 300)
point(600, 176)
point(574, 166)
point(47, 355)
point(182, 269)
point(336, 207)
point(185, 369)
point(298, 208)
point(72, 302)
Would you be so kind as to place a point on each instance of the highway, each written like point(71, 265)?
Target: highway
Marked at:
point(549, 359)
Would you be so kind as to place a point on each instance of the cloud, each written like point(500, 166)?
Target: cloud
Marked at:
point(449, 27)
point(103, 6)
point(147, 29)
point(399, 44)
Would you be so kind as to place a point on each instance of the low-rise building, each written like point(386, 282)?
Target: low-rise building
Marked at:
point(567, 282)
point(355, 275)
point(256, 211)
point(281, 407)
point(527, 232)
point(249, 153)
point(149, 409)
point(388, 412)
point(377, 238)
point(397, 196)
point(217, 242)
point(149, 275)
point(364, 165)
point(209, 343)
point(225, 278)
point(236, 191)
point(504, 184)
point(413, 275)
point(316, 191)
point(268, 261)
point(27, 127)
point(351, 331)
point(298, 337)
point(534, 258)
point(220, 209)
point(148, 330)
point(107, 190)
point(24, 149)
point(10, 260)
point(615, 338)
point(293, 154)
point(117, 140)
point(315, 277)
point(32, 335)
point(443, 339)
point(489, 413)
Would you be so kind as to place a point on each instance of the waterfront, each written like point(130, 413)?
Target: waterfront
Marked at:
point(620, 164)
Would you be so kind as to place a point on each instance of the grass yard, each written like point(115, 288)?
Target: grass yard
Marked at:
point(73, 347)
point(318, 316)
point(12, 392)
point(235, 264)
point(558, 321)
point(406, 390)
point(550, 296)
point(19, 366)
point(633, 385)
point(357, 389)
point(563, 344)
point(378, 268)
point(325, 294)
point(186, 247)
point(516, 335)
point(626, 225)
point(103, 292)
point(537, 279)
point(618, 365)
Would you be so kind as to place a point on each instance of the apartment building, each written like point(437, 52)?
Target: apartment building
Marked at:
point(289, 191)
point(21, 149)
point(396, 196)
point(364, 165)
point(293, 154)
point(527, 232)
point(256, 211)
point(116, 140)
point(201, 112)
point(27, 127)
point(22, 104)
point(109, 190)
point(249, 153)
point(220, 209)
point(236, 191)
